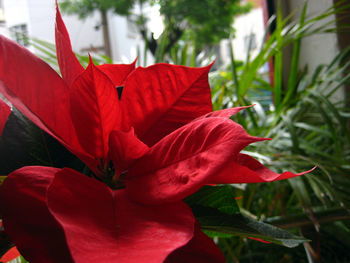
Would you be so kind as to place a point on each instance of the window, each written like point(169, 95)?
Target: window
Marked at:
point(19, 33)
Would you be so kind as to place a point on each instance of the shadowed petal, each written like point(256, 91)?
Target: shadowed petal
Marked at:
point(69, 65)
point(201, 249)
point(5, 111)
point(245, 169)
point(161, 98)
point(185, 160)
point(102, 225)
point(125, 149)
point(26, 218)
point(39, 93)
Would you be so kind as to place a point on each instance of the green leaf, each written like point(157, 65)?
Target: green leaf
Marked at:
point(23, 144)
point(2, 179)
point(219, 197)
point(293, 75)
point(214, 221)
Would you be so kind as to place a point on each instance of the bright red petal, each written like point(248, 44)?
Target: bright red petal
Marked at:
point(201, 249)
point(117, 73)
point(10, 255)
point(102, 225)
point(245, 169)
point(5, 111)
point(27, 219)
point(185, 160)
point(125, 149)
point(69, 65)
point(163, 97)
point(36, 90)
point(95, 110)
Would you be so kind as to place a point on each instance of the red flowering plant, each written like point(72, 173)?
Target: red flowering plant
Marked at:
point(151, 141)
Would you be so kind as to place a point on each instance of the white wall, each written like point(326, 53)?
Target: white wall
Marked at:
point(83, 34)
point(320, 48)
point(244, 26)
point(126, 41)
point(16, 12)
point(41, 19)
point(317, 49)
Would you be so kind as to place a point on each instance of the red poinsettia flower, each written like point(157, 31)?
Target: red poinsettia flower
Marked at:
point(76, 218)
point(82, 108)
point(162, 137)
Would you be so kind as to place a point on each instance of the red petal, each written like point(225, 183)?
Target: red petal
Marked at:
point(102, 225)
point(225, 113)
point(201, 249)
point(10, 255)
point(117, 73)
point(245, 169)
point(27, 219)
point(69, 65)
point(185, 160)
point(260, 240)
point(36, 90)
point(163, 97)
point(125, 148)
point(5, 111)
point(95, 110)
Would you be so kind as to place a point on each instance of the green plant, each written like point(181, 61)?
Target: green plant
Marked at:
point(309, 128)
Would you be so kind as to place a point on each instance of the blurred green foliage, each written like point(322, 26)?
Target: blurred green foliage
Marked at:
point(202, 22)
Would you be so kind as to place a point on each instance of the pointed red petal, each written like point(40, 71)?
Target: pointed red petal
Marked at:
point(163, 97)
point(95, 110)
point(200, 249)
point(10, 255)
point(69, 65)
point(245, 169)
point(185, 160)
point(5, 111)
point(36, 90)
point(26, 218)
point(117, 73)
point(225, 113)
point(101, 225)
point(125, 149)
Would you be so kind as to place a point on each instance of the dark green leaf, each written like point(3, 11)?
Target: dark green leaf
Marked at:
point(219, 197)
point(213, 220)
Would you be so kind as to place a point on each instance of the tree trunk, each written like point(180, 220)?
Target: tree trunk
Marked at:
point(105, 29)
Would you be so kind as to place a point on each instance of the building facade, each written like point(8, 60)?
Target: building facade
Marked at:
point(20, 19)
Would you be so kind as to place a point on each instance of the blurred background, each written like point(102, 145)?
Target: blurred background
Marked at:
point(290, 58)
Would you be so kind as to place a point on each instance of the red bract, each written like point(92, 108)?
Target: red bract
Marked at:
point(74, 218)
point(162, 137)
point(185, 160)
